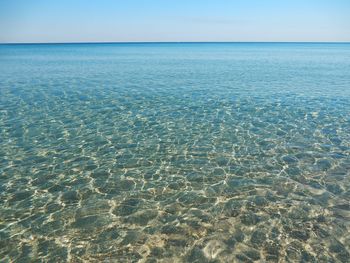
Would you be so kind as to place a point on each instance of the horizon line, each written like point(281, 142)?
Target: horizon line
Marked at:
point(175, 42)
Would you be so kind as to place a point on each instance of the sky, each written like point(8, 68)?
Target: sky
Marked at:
point(33, 21)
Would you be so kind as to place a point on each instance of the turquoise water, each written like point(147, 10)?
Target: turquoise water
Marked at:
point(175, 152)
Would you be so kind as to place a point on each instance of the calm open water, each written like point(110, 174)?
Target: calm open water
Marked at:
point(175, 153)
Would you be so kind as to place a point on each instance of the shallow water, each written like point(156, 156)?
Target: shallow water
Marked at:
point(175, 152)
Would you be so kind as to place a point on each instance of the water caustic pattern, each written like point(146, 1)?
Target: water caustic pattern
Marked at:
point(175, 153)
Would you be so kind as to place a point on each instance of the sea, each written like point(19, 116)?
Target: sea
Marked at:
point(175, 152)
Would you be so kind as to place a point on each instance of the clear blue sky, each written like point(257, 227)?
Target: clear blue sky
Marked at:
point(174, 20)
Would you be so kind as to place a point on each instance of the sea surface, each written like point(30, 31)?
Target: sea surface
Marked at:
point(176, 152)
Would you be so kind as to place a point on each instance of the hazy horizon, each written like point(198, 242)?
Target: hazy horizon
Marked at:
point(176, 42)
point(136, 21)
